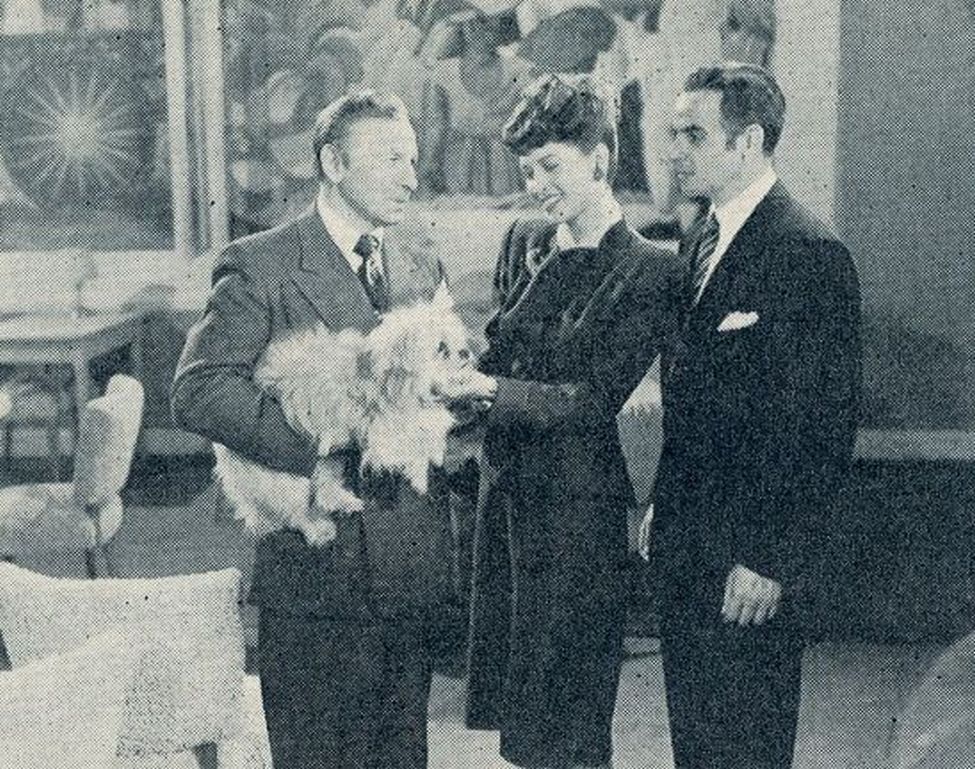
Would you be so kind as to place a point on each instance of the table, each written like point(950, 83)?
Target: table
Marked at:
point(68, 341)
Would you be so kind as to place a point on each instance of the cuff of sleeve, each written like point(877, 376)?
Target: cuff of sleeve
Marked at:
point(765, 561)
point(505, 408)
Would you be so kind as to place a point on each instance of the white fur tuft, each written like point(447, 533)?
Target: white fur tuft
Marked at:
point(343, 388)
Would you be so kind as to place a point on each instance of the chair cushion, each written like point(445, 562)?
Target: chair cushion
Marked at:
point(188, 684)
point(64, 712)
point(44, 517)
point(249, 750)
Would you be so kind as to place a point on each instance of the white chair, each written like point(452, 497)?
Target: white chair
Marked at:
point(188, 692)
point(936, 727)
point(65, 711)
point(85, 514)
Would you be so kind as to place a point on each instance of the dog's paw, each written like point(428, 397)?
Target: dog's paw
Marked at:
point(349, 503)
point(337, 499)
point(419, 477)
point(319, 532)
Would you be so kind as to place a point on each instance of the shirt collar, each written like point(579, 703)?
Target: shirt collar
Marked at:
point(732, 215)
point(343, 232)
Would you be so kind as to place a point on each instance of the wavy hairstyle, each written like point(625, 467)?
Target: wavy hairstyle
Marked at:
point(573, 109)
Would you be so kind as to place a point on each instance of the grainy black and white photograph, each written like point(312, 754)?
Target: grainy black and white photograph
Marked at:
point(487, 384)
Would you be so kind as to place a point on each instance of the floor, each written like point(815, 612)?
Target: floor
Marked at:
point(851, 692)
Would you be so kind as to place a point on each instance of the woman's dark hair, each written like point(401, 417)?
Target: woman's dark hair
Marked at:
point(572, 109)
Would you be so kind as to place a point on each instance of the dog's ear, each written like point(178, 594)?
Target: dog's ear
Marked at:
point(442, 299)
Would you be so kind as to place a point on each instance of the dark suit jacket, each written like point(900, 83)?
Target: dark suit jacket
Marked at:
point(759, 423)
point(395, 554)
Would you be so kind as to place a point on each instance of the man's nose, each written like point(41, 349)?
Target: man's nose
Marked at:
point(410, 180)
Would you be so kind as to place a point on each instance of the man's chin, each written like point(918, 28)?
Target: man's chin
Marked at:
point(557, 214)
point(390, 218)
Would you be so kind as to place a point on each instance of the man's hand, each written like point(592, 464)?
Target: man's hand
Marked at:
point(643, 537)
point(750, 598)
point(465, 386)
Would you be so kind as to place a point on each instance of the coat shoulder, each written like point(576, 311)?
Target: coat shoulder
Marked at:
point(649, 253)
point(264, 257)
point(526, 234)
point(804, 243)
point(790, 221)
point(651, 271)
point(808, 260)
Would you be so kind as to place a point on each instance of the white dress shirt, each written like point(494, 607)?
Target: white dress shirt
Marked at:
point(732, 217)
point(346, 235)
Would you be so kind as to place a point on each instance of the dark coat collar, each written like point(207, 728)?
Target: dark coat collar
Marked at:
point(318, 251)
point(746, 247)
point(535, 302)
point(326, 278)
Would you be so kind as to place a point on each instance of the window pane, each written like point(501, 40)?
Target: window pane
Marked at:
point(84, 159)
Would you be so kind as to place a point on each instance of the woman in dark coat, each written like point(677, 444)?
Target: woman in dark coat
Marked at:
point(568, 345)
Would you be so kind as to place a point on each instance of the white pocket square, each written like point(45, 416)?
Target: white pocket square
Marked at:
point(734, 321)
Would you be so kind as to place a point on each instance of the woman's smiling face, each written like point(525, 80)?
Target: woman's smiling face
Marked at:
point(564, 179)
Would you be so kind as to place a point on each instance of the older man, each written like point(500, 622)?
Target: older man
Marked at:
point(345, 628)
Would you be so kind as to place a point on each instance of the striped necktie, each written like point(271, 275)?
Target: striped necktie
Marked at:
point(701, 262)
point(372, 280)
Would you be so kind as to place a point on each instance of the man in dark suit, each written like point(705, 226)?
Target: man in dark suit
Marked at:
point(346, 628)
point(760, 388)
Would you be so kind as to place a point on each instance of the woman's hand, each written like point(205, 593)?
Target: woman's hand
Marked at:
point(467, 386)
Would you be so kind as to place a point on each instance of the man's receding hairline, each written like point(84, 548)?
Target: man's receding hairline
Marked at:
point(342, 137)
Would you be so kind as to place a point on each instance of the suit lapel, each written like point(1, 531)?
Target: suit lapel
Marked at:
point(327, 280)
point(406, 275)
point(741, 258)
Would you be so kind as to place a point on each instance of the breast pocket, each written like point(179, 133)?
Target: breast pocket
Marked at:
point(740, 342)
point(734, 366)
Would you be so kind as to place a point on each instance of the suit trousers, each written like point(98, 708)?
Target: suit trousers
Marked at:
point(732, 692)
point(345, 693)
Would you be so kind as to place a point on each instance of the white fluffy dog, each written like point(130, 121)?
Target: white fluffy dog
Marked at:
point(371, 390)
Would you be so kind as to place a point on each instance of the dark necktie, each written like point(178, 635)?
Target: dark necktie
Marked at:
point(367, 247)
point(701, 262)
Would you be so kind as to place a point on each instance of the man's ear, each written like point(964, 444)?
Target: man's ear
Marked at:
point(332, 163)
point(754, 137)
point(600, 156)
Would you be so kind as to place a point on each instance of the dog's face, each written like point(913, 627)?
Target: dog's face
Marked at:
point(414, 345)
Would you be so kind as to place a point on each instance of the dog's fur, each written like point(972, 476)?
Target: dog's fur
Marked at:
point(340, 388)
